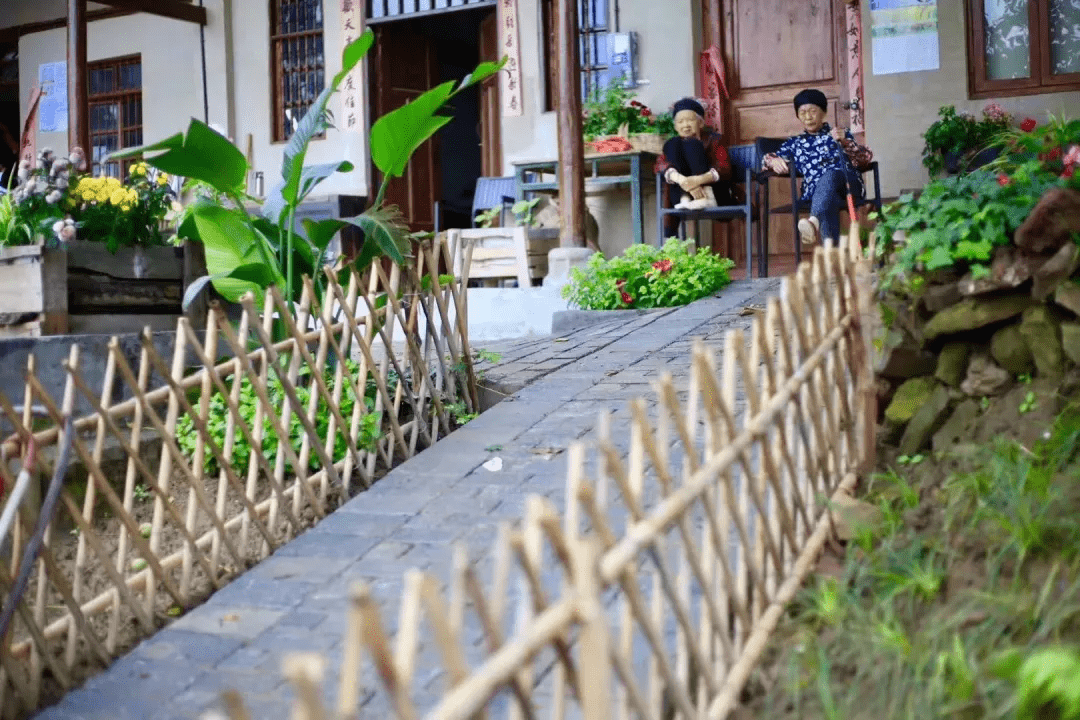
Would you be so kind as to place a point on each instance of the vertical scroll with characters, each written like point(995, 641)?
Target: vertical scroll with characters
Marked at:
point(510, 47)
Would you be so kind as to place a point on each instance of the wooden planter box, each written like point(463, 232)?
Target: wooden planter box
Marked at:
point(33, 291)
point(106, 296)
point(510, 252)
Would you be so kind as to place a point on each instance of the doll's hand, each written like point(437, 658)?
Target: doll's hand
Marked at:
point(688, 184)
point(778, 165)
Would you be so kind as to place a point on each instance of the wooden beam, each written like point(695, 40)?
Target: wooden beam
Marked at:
point(176, 9)
point(571, 142)
point(78, 95)
point(13, 33)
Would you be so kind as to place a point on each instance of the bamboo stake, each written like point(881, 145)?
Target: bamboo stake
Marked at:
point(88, 512)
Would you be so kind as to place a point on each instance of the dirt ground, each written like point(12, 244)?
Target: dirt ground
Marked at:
point(973, 554)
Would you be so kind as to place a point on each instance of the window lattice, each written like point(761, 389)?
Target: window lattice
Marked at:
point(116, 115)
point(297, 61)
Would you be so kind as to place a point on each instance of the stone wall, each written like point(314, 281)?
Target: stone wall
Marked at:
point(958, 340)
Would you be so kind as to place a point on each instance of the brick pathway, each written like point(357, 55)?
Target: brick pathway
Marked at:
point(296, 599)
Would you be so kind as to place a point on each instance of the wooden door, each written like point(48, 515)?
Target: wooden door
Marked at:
point(406, 66)
point(774, 49)
point(490, 109)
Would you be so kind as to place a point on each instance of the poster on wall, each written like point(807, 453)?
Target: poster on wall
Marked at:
point(352, 22)
point(53, 107)
point(904, 35)
point(510, 77)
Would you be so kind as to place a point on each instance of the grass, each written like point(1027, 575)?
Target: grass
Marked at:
point(962, 601)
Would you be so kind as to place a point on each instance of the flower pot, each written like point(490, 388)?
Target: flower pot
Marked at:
point(33, 291)
point(125, 291)
point(954, 162)
point(648, 142)
point(983, 157)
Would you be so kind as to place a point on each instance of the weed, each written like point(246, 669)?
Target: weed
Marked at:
point(493, 448)
point(910, 459)
point(1029, 404)
point(1024, 378)
point(460, 412)
point(1047, 682)
point(143, 493)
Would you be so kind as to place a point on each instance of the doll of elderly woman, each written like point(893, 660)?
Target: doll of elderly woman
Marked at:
point(695, 163)
point(828, 160)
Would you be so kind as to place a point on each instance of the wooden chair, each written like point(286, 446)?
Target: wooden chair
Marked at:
point(745, 163)
point(766, 145)
point(502, 253)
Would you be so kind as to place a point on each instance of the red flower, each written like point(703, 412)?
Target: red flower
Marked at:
point(1055, 153)
point(620, 283)
point(635, 103)
point(1003, 179)
point(1069, 170)
point(626, 297)
point(646, 112)
point(1028, 125)
point(662, 265)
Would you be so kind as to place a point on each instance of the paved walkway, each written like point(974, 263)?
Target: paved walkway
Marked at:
point(296, 600)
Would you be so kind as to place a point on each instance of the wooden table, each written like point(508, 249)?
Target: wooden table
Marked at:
point(608, 169)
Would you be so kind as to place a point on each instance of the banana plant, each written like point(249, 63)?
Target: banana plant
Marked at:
point(248, 252)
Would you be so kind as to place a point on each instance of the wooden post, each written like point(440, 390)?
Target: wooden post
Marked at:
point(78, 104)
point(571, 142)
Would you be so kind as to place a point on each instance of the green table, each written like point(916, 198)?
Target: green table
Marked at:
point(607, 169)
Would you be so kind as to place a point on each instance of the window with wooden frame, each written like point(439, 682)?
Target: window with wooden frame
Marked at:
point(593, 28)
point(1022, 47)
point(116, 114)
point(297, 66)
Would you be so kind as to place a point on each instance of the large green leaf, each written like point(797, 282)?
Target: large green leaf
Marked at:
point(321, 232)
point(482, 72)
point(315, 120)
point(230, 243)
point(386, 227)
point(312, 175)
point(201, 154)
point(396, 135)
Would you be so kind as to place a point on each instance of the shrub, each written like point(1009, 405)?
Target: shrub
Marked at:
point(187, 435)
point(648, 277)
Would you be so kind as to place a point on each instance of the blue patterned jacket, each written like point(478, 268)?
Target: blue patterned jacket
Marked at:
point(813, 154)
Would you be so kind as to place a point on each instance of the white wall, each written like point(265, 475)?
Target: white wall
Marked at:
point(900, 107)
point(172, 73)
point(250, 66)
point(238, 86)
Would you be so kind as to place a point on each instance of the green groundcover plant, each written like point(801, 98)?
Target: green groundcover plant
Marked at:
point(957, 222)
point(648, 277)
point(369, 430)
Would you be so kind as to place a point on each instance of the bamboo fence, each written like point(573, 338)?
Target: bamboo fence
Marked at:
point(653, 593)
point(143, 539)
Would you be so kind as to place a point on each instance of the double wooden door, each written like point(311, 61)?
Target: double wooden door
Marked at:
point(773, 49)
point(406, 65)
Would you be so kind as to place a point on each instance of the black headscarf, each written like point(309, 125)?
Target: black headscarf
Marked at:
point(688, 104)
point(811, 97)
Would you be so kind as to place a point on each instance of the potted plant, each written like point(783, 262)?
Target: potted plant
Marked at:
point(34, 232)
point(956, 141)
point(614, 112)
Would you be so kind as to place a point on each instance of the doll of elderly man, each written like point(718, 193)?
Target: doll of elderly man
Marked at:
point(828, 160)
point(695, 163)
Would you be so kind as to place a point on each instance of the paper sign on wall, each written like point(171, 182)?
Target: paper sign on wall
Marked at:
point(904, 35)
point(53, 108)
point(352, 22)
point(510, 77)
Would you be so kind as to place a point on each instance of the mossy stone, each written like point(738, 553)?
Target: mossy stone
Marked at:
point(1010, 350)
point(909, 398)
point(952, 363)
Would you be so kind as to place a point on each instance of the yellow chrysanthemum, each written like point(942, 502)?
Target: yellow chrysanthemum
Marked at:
point(88, 195)
point(163, 179)
point(125, 208)
point(102, 197)
point(138, 169)
point(118, 197)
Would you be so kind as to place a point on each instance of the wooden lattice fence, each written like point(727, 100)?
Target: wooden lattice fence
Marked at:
point(653, 592)
point(365, 373)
